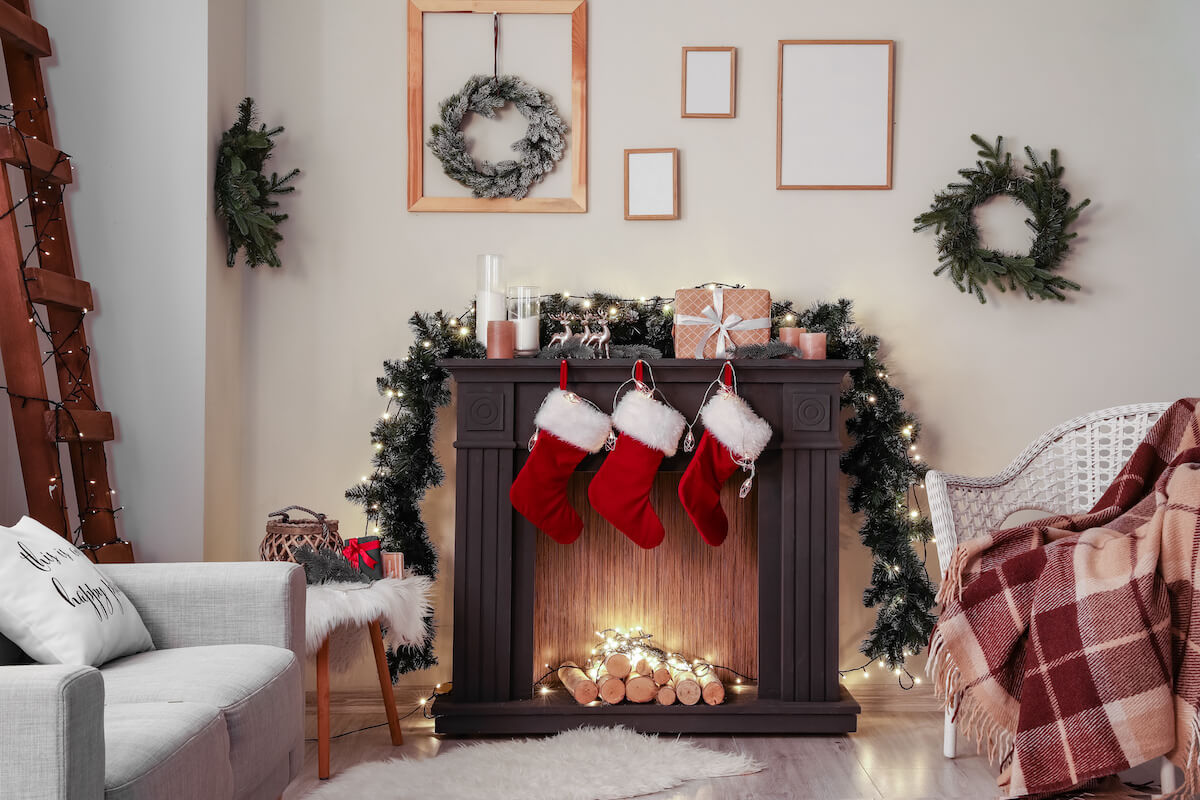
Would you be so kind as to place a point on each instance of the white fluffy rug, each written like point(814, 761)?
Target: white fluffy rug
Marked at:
point(341, 610)
point(582, 764)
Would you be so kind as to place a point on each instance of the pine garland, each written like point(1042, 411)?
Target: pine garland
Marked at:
point(540, 149)
point(882, 462)
point(244, 192)
point(971, 266)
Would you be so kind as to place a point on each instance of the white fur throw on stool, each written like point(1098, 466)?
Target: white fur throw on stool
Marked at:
point(341, 612)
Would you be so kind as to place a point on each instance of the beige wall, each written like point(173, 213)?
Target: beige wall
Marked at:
point(1113, 84)
point(292, 354)
point(167, 325)
point(127, 87)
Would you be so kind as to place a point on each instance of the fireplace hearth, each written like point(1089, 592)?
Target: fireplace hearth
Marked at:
point(501, 631)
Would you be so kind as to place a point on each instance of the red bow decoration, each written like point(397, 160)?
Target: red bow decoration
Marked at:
point(356, 549)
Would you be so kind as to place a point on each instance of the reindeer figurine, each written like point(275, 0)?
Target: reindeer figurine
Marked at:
point(600, 339)
point(586, 335)
point(565, 335)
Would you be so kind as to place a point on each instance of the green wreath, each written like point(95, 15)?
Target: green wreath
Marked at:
point(1039, 188)
point(244, 191)
point(540, 148)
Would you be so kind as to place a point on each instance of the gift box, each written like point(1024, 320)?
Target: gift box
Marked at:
point(713, 323)
point(393, 564)
point(365, 555)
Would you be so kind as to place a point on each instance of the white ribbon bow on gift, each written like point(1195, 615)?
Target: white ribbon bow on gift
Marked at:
point(719, 325)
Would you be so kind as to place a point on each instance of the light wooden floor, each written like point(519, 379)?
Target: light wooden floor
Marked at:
point(896, 753)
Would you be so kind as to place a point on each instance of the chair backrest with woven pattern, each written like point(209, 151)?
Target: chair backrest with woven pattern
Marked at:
point(1064, 472)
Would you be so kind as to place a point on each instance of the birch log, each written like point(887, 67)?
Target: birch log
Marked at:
point(610, 687)
point(666, 695)
point(617, 665)
point(581, 687)
point(687, 688)
point(640, 688)
point(649, 665)
point(711, 688)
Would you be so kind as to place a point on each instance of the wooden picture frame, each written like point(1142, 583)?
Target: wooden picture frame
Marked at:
point(577, 133)
point(847, 122)
point(649, 192)
point(705, 95)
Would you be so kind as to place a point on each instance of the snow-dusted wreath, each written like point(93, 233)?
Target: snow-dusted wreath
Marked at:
point(541, 147)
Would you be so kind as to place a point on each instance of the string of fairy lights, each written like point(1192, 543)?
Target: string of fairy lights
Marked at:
point(45, 203)
point(900, 577)
point(636, 644)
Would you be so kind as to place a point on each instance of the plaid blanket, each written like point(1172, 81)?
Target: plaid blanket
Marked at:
point(1070, 647)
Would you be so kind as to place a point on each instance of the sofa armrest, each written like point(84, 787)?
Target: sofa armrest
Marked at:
point(186, 605)
point(52, 739)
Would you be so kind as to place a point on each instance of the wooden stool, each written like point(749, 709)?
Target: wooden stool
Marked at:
point(385, 688)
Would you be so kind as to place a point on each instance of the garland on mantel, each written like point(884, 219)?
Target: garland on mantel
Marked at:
point(882, 462)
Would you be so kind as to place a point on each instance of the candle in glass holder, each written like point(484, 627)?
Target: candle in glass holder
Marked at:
point(501, 338)
point(791, 336)
point(524, 309)
point(489, 295)
point(812, 346)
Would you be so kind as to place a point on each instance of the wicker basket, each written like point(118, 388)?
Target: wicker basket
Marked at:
point(284, 533)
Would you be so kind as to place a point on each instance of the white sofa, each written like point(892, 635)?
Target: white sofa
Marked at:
point(216, 711)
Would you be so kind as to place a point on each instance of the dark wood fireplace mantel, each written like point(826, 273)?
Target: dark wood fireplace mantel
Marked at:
point(798, 688)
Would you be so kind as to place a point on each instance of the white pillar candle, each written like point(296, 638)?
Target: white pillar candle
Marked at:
point(490, 306)
point(527, 334)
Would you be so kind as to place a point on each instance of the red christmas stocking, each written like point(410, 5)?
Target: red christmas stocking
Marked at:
point(569, 428)
point(648, 431)
point(734, 436)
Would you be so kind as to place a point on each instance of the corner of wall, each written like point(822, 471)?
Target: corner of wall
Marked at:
point(224, 366)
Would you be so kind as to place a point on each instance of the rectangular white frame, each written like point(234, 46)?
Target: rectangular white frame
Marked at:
point(710, 82)
point(835, 114)
point(651, 194)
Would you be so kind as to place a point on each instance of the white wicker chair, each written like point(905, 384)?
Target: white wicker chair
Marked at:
point(1063, 472)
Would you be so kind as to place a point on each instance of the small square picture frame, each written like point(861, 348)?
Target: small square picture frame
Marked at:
point(652, 183)
point(704, 89)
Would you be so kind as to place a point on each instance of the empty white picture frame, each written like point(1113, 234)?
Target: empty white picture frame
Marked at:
point(709, 82)
point(834, 125)
point(652, 183)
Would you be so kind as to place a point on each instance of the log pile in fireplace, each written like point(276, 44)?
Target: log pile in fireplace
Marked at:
point(626, 668)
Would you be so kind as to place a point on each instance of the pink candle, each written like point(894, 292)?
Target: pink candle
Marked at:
point(501, 338)
point(393, 565)
point(812, 346)
point(791, 336)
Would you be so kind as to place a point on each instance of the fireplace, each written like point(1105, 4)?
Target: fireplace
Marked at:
point(770, 590)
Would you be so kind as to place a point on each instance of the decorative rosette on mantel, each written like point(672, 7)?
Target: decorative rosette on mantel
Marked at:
point(714, 322)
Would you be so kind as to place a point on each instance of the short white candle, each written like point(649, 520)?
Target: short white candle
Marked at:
point(527, 334)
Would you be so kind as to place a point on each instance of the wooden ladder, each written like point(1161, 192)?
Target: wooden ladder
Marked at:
point(42, 298)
